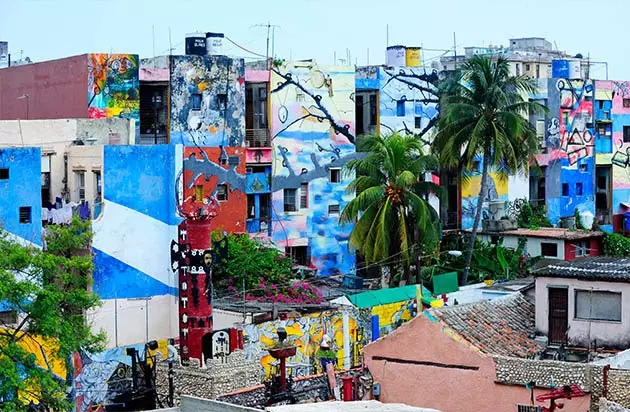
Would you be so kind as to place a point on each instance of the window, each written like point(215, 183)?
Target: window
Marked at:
point(549, 249)
point(626, 102)
point(528, 67)
point(251, 206)
point(596, 305)
point(25, 214)
point(518, 69)
point(626, 134)
point(299, 254)
point(8, 317)
point(98, 184)
point(289, 200)
point(582, 248)
point(601, 130)
point(79, 178)
point(418, 122)
point(4, 173)
point(538, 71)
point(540, 132)
point(583, 168)
point(400, 108)
point(565, 189)
point(222, 100)
point(304, 196)
point(222, 193)
point(335, 175)
point(528, 408)
point(565, 118)
point(333, 210)
point(199, 193)
point(195, 101)
point(578, 188)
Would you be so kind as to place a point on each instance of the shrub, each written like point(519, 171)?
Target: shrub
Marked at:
point(616, 245)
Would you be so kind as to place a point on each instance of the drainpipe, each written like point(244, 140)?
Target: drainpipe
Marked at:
point(66, 193)
point(606, 369)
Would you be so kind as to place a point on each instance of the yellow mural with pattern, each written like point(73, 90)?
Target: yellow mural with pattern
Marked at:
point(392, 315)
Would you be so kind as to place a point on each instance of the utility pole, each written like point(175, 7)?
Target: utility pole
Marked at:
point(455, 49)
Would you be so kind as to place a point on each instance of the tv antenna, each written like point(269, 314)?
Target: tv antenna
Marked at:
point(271, 29)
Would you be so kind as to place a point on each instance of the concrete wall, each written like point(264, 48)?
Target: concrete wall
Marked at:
point(312, 128)
point(132, 240)
point(21, 189)
point(55, 137)
point(57, 89)
point(212, 124)
point(194, 404)
point(446, 361)
point(533, 247)
point(581, 332)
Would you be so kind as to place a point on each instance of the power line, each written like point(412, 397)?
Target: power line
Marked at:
point(243, 48)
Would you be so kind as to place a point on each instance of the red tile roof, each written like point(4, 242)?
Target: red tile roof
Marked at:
point(502, 326)
point(551, 233)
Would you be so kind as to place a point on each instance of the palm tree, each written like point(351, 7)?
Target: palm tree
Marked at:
point(394, 219)
point(484, 114)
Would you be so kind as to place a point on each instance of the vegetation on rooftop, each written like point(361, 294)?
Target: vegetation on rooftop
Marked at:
point(615, 244)
point(528, 216)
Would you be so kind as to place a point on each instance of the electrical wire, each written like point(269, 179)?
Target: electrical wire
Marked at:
point(244, 49)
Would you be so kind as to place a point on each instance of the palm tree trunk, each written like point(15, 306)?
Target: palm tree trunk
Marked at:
point(482, 198)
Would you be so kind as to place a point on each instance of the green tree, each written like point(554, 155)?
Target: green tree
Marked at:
point(48, 290)
point(394, 220)
point(484, 114)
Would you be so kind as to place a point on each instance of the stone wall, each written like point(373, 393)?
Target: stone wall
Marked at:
point(513, 371)
point(217, 378)
point(608, 406)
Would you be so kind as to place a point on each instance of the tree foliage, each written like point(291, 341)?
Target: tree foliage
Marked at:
point(49, 291)
point(615, 244)
point(267, 273)
point(394, 220)
point(484, 115)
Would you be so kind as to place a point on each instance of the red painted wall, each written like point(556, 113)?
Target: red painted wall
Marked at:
point(232, 213)
point(595, 246)
point(57, 89)
point(442, 388)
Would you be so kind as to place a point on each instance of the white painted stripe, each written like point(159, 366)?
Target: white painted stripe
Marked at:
point(136, 239)
point(19, 240)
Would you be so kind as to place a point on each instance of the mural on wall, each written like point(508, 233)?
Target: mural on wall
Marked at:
point(100, 377)
point(20, 180)
point(497, 190)
point(392, 315)
point(612, 112)
point(570, 150)
point(214, 181)
point(207, 99)
point(312, 125)
point(113, 86)
point(306, 333)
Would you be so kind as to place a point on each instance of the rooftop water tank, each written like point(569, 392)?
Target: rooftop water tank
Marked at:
point(196, 44)
point(214, 44)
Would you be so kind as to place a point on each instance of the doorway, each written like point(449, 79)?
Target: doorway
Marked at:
point(558, 315)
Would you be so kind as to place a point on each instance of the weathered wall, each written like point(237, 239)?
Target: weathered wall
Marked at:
point(88, 160)
point(220, 118)
point(57, 89)
point(570, 149)
point(582, 332)
point(312, 127)
point(133, 236)
point(497, 190)
point(221, 376)
point(203, 171)
point(306, 333)
point(427, 378)
point(98, 378)
point(21, 189)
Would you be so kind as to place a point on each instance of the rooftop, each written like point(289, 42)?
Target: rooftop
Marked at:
point(603, 268)
point(356, 406)
point(552, 233)
point(501, 326)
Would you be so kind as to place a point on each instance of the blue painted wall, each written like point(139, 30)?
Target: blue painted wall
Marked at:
point(21, 189)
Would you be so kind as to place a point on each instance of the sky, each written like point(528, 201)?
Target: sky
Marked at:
point(319, 29)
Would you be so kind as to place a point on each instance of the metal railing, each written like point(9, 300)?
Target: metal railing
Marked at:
point(257, 138)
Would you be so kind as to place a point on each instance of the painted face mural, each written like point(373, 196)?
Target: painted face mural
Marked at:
point(207, 97)
point(312, 126)
point(113, 86)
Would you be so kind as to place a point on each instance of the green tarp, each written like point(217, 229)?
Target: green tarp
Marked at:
point(445, 283)
point(385, 296)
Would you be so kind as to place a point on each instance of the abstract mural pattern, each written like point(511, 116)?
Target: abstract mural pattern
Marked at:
point(99, 378)
point(312, 127)
point(207, 100)
point(113, 86)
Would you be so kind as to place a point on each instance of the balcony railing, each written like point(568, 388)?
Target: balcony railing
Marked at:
point(257, 138)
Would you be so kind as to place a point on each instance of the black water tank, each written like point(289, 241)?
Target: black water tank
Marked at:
point(196, 44)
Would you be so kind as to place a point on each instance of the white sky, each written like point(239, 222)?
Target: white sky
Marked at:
point(47, 29)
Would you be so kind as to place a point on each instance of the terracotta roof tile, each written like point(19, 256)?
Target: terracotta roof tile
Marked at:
point(501, 326)
point(612, 269)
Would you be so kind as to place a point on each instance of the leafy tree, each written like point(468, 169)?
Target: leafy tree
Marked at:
point(49, 291)
point(394, 220)
point(267, 273)
point(484, 114)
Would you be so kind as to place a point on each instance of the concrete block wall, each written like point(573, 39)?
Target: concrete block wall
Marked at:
point(607, 406)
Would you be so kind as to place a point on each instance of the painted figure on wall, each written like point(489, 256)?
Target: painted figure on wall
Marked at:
point(207, 99)
point(113, 86)
point(312, 126)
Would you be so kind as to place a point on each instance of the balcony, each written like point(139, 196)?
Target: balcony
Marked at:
point(257, 138)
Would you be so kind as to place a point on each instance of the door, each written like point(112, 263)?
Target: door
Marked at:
point(558, 315)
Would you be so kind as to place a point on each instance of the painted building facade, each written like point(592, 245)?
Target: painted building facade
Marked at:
point(312, 130)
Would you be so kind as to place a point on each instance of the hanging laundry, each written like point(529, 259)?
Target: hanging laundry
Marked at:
point(84, 210)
